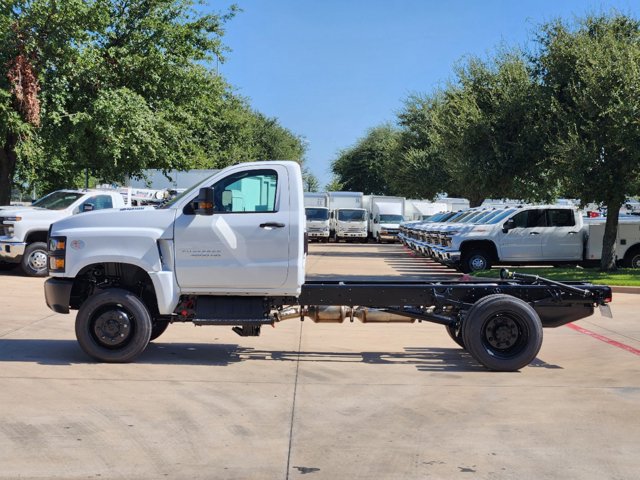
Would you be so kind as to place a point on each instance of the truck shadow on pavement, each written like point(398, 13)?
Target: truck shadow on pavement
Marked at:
point(67, 352)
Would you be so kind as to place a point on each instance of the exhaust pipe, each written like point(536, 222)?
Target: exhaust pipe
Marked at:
point(374, 315)
point(316, 313)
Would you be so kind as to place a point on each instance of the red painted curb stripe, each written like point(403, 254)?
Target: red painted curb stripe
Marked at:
point(604, 339)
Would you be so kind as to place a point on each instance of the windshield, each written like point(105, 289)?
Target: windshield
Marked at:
point(391, 218)
point(498, 216)
point(351, 215)
point(317, 213)
point(57, 200)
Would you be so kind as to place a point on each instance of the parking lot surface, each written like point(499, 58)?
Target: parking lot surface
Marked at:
point(317, 401)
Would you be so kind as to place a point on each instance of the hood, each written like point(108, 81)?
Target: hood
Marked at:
point(32, 212)
point(114, 220)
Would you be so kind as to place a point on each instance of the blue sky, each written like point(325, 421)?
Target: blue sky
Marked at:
point(329, 70)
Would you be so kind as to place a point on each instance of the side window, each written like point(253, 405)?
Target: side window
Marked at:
point(560, 217)
point(520, 219)
point(102, 201)
point(530, 219)
point(247, 192)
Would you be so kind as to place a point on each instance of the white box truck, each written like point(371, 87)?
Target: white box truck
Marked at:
point(385, 216)
point(348, 217)
point(316, 209)
point(422, 209)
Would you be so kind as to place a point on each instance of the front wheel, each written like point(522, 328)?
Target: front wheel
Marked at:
point(502, 332)
point(113, 326)
point(632, 260)
point(35, 259)
point(474, 261)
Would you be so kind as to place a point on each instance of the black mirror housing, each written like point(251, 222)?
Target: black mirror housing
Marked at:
point(508, 225)
point(204, 204)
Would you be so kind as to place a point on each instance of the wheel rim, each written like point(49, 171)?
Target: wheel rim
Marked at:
point(505, 334)
point(635, 261)
point(478, 263)
point(112, 327)
point(37, 260)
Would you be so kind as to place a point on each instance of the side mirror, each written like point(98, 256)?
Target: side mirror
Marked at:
point(508, 225)
point(203, 204)
point(87, 207)
point(375, 220)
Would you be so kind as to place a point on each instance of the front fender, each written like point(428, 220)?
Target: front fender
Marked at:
point(133, 246)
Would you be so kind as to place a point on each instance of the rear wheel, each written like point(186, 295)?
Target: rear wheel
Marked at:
point(502, 332)
point(35, 260)
point(113, 326)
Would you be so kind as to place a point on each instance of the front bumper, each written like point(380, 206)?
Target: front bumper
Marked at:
point(11, 252)
point(351, 234)
point(57, 293)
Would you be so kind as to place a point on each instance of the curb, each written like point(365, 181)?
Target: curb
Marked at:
point(616, 289)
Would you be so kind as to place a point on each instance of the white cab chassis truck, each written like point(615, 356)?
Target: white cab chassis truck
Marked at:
point(348, 216)
point(23, 230)
point(317, 214)
point(385, 216)
point(231, 251)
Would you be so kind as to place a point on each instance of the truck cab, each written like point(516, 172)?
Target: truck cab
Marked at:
point(23, 230)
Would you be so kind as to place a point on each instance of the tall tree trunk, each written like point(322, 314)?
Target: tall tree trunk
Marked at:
point(7, 168)
point(608, 260)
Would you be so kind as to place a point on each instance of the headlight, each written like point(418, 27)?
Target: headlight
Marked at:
point(57, 244)
point(6, 220)
point(57, 250)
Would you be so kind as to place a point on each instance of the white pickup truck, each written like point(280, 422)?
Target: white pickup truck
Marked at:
point(542, 234)
point(231, 251)
point(23, 230)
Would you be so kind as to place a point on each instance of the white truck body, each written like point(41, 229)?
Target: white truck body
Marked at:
point(385, 216)
point(453, 203)
point(422, 209)
point(348, 216)
point(317, 213)
point(23, 230)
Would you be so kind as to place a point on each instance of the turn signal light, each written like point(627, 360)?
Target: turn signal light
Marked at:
point(56, 263)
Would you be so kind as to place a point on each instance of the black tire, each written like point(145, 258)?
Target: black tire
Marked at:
point(632, 259)
point(455, 332)
point(475, 260)
point(35, 261)
point(502, 332)
point(158, 327)
point(113, 326)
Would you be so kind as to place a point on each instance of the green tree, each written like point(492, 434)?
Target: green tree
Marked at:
point(310, 181)
point(365, 166)
point(486, 132)
point(591, 73)
point(419, 170)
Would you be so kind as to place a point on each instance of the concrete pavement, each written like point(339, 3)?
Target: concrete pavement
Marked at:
point(316, 401)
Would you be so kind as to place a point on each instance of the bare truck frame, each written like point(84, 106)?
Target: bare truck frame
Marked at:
point(499, 322)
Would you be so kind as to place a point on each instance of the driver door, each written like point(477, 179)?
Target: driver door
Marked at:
point(244, 245)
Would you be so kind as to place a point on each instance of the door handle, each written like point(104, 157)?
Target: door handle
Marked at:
point(572, 233)
point(534, 233)
point(272, 225)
